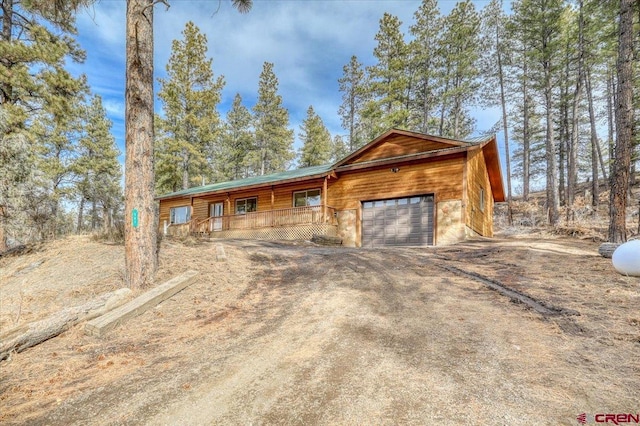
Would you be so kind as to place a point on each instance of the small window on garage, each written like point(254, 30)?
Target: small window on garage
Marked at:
point(246, 205)
point(310, 197)
point(180, 215)
point(481, 199)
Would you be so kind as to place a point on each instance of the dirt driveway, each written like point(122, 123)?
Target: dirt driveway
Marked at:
point(299, 334)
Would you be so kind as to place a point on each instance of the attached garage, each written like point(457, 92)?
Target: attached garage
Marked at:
point(398, 221)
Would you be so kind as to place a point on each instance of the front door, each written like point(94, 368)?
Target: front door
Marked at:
point(215, 211)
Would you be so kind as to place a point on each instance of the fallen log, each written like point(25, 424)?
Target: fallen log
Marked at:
point(607, 249)
point(28, 335)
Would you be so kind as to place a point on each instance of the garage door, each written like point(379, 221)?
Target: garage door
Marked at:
point(401, 221)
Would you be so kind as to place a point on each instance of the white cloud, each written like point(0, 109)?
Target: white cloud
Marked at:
point(308, 42)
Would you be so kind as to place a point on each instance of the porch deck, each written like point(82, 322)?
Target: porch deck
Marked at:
point(297, 223)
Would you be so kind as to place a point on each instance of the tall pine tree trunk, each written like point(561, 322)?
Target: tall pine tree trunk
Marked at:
point(577, 95)
point(552, 164)
point(526, 141)
point(595, 148)
point(624, 126)
point(140, 217)
point(505, 128)
point(7, 17)
point(80, 215)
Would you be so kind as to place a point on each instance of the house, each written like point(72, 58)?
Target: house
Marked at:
point(403, 188)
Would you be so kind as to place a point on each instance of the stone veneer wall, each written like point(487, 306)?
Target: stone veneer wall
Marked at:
point(347, 225)
point(450, 224)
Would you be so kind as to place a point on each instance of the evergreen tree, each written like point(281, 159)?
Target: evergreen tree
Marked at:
point(339, 149)
point(539, 22)
point(236, 141)
point(495, 75)
point(35, 44)
point(353, 97)
point(140, 218)
point(273, 145)
point(189, 96)
point(389, 82)
point(55, 144)
point(624, 125)
point(426, 56)
point(461, 50)
point(316, 140)
point(98, 172)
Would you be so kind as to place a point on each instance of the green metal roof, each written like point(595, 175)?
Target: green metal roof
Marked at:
point(251, 181)
point(478, 139)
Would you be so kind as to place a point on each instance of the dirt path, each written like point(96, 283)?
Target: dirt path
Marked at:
point(298, 334)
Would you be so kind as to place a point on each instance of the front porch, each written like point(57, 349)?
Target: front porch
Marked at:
point(297, 223)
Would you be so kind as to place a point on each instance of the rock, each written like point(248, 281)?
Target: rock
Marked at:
point(607, 249)
point(325, 240)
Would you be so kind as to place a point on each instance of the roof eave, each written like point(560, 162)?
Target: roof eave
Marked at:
point(246, 187)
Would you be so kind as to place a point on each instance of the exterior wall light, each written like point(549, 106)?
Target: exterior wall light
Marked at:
point(395, 170)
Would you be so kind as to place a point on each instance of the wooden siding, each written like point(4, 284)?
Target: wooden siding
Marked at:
point(283, 195)
point(442, 178)
point(399, 145)
point(477, 179)
point(282, 198)
point(165, 209)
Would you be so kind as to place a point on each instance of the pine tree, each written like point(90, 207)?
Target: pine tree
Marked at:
point(273, 145)
point(140, 218)
point(97, 170)
point(624, 125)
point(353, 97)
point(389, 80)
point(495, 75)
point(339, 149)
point(56, 138)
point(540, 25)
point(190, 95)
point(35, 44)
point(426, 55)
point(316, 140)
point(461, 50)
point(236, 142)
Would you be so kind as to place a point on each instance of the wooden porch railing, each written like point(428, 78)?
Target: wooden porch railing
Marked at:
point(309, 215)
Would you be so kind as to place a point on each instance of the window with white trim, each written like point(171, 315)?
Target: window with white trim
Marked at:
point(481, 199)
point(246, 205)
point(310, 197)
point(178, 215)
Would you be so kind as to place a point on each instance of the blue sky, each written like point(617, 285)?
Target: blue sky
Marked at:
point(309, 41)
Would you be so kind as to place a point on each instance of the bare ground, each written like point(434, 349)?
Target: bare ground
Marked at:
point(287, 333)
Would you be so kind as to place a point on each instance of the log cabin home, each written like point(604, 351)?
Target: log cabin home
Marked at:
point(403, 188)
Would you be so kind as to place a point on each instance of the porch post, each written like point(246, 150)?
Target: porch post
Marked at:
point(272, 204)
point(324, 199)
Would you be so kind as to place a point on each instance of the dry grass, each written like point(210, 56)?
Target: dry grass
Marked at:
point(293, 333)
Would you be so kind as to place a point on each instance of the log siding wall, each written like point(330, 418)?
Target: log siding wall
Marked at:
point(443, 178)
point(480, 221)
point(399, 145)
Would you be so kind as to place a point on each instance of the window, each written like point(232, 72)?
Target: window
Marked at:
point(179, 215)
point(246, 205)
point(310, 197)
point(481, 199)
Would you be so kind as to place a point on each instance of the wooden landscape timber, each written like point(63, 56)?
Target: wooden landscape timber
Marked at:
point(220, 254)
point(99, 326)
point(28, 335)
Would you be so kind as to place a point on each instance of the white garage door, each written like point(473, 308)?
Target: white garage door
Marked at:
point(397, 222)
